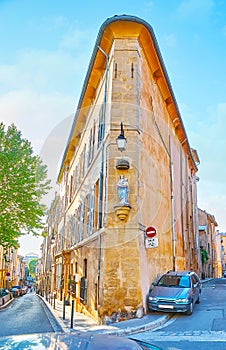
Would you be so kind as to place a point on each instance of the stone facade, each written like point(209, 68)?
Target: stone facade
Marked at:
point(209, 245)
point(107, 254)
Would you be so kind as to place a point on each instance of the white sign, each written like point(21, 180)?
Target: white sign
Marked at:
point(151, 242)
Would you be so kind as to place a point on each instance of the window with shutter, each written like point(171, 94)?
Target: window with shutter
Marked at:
point(100, 127)
point(75, 227)
point(90, 150)
point(81, 226)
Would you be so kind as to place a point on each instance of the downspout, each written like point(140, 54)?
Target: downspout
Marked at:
point(172, 208)
point(100, 202)
point(63, 238)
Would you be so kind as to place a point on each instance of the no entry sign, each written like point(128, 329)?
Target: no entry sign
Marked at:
point(151, 231)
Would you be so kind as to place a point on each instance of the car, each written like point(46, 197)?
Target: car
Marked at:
point(24, 290)
point(17, 291)
point(3, 292)
point(175, 291)
point(224, 274)
point(82, 341)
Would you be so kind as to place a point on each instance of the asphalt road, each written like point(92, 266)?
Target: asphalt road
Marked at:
point(26, 315)
point(205, 329)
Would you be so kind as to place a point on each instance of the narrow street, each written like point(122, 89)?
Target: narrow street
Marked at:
point(26, 315)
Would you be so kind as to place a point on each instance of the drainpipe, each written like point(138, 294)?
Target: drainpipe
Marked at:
point(64, 267)
point(100, 202)
point(172, 208)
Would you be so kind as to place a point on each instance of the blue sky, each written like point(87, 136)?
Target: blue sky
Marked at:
point(46, 47)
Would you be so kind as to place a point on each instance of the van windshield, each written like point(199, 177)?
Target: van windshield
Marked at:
point(174, 281)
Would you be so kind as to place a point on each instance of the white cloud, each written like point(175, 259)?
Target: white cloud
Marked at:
point(42, 70)
point(35, 114)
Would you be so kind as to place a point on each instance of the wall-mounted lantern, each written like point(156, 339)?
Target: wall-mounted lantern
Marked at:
point(122, 163)
point(121, 140)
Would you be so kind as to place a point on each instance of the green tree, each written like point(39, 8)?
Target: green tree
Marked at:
point(31, 267)
point(204, 255)
point(23, 182)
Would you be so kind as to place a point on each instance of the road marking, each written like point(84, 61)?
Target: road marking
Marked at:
point(192, 336)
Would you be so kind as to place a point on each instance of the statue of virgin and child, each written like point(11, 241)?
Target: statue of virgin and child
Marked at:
point(123, 190)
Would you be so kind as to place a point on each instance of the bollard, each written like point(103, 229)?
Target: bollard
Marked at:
point(64, 309)
point(54, 300)
point(72, 313)
point(51, 299)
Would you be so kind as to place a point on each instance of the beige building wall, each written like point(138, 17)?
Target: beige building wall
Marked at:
point(162, 184)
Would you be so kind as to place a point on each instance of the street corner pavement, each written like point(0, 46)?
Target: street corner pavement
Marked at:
point(71, 321)
point(3, 306)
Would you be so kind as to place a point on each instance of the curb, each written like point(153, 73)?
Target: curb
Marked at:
point(119, 332)
point(143, 328)
point(64, 328)
point(6, 304)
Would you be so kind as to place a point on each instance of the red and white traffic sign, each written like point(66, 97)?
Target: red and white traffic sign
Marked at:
point(151, 231)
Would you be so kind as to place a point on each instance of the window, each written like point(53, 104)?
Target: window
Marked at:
point(90, 213)
point(71, 189)
point(100, 126)
point(83, 290)
point(75, 227)
point(81, 221)
point(83, 284)
point(185, 282)
point(85, 216)
point(83, 161)
point(96, 200)
point(85, 268)
point(91, 145)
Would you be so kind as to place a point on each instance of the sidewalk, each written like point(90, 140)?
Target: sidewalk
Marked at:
point(83, 323)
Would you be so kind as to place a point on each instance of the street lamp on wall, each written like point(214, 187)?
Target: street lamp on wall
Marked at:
point(121, 140)
point(122, 163)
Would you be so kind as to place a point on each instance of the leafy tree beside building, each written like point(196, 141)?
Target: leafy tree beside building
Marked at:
point(23, 182)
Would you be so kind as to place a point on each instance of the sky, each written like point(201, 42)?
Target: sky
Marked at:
point(46, 46)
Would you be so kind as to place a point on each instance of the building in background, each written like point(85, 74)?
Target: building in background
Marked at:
point(209, 245)
point(10, 264)
point(223, 250)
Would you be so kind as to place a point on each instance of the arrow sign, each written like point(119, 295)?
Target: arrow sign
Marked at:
point(151, 231)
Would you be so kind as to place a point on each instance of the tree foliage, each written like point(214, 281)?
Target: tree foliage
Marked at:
point(204, 255)
point(23, 182)
point(32, 266)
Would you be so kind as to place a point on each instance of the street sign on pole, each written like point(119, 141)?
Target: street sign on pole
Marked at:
point(151, 231)
point(151, 242)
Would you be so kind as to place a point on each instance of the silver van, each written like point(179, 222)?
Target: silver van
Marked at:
point(175, 291)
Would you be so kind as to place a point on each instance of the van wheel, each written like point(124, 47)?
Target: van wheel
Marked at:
point(150, 310)
point(198, 300)
point(190, 311)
